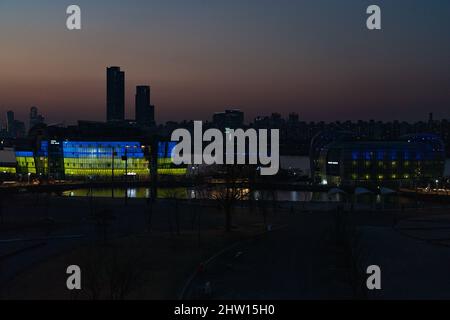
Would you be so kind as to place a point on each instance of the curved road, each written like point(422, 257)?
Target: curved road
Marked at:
point(296, 262)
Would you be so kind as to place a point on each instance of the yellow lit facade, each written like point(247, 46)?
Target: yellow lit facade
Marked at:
point(25, 162)
point(93, 160)
point(165, 161)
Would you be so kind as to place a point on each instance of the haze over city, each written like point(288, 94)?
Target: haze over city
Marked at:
point(315, 58)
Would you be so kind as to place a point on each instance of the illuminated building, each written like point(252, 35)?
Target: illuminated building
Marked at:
point(25, 162)
point(165, 160)
point(8, 161)
point(100, 159)
point(410, 160)
point(41, 158)
point(318, 143)
point(97, 160)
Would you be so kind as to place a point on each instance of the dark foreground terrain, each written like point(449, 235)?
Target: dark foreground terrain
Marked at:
point(179, 249)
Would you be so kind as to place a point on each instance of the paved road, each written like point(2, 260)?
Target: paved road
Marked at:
point(292, 263)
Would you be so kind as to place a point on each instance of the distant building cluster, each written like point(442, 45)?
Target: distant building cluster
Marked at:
point(296, 135)
point(16, 128)
point(228, 119)
point(340, 152)
point(115, 99)
point(35, 118)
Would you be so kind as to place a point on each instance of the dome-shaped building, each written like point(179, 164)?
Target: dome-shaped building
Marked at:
point(410, 160)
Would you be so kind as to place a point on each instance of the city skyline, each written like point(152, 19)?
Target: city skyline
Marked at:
point(202, 58)
point(144, 112)
point(246, 151)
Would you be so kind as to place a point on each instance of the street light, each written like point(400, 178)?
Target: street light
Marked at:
point(113, 154)
point(125, 158)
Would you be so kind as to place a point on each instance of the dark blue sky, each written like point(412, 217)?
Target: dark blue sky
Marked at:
point(314, 57)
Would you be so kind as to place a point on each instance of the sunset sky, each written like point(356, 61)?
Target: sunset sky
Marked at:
point(313, 57)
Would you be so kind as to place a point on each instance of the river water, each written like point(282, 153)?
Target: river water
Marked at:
point(213, 193)
point(301, 163)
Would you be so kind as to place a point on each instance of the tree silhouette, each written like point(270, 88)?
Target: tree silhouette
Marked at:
point(229, 194)
point(174, 195)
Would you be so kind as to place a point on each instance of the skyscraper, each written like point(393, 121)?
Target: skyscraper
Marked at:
point(115, 94)
point(145, 112)
point(15, 128)
point(10, 123)
point(35, 117)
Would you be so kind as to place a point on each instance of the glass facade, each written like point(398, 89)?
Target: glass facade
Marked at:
point(94, 159)
point(25, 162)
point(41, 158)
point(165, 160)
point(8, 170)
point(410, 161)
point(105, 159)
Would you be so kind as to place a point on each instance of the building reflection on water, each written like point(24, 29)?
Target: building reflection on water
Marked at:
point(190, 193)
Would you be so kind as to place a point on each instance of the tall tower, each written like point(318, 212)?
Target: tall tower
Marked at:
point(10, 123)
point(35, 117)
point(115, 94)
point(145, 112)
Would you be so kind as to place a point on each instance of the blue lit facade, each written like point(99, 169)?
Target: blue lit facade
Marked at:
point(25, 163)
point(97, 160)
point(165, 160)
point(411, 160)
point(93, 159)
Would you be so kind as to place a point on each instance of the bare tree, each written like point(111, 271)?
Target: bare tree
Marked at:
point(92, 265)
point(123, 272)
point(110, 272)
point(174, 195)
point(229, 194)
point(349, 240)
point(264, 197)
point(202, 192)
point(149, 212)
point(2, 214)
point(103, 219)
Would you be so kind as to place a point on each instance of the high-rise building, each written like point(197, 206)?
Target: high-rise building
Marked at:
point(115, 94)
point(10, 128)
point(20, 129)
point(145, 112)
point(35, 117)
point(14, 128)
